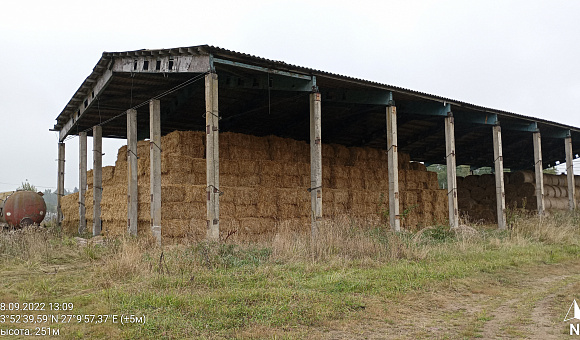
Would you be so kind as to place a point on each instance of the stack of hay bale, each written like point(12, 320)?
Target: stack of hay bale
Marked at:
point(477, 200)
point(264, 181)
point(521, 191)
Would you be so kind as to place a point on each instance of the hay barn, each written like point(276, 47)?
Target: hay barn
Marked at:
point(219, 141)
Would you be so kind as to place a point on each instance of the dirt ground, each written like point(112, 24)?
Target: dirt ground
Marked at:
point(519, 303)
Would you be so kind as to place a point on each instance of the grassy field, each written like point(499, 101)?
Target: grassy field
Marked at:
point(356, 281)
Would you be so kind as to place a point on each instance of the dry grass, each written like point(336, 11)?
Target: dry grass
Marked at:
point(280, 284)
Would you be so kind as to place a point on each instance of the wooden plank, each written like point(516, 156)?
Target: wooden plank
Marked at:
point(393, 168)
point(570, 173)
point(499, 182)
point(97, 88)
point(315, 163)
point(212, 156)
point(82, 182)
point(451, 171)
point(60, 182)
point(539, 173)
point(184, 63)
point(155, 169)
point(132, 189)
point(97, 178)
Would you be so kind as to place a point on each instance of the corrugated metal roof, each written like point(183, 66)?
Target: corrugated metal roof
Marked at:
point(106, 58)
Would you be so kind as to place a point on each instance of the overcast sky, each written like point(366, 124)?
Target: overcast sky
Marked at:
point(518, 56)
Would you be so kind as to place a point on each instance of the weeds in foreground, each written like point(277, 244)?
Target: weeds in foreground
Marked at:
point(199, 289)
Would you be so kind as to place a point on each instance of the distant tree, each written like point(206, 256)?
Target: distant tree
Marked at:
point(27, 187)
point(75, 190)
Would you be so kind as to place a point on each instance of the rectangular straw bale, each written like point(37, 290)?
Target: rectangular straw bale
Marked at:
point(244, 196)
point(290, 169)
point(144, 212)
point(339, 172)
point(143, 195)
point(409, 198)
point(172, 193)
point(245, 210)
point(282, 155)
point(328, 151)
point(342, 154)
point(402, 175)
point(339, 183)
point(249, 180)
point(175, 163)
point(373, 154)
point(290, 181)
point(377, 165)
point(358, 155)
point(196, 193)
point(431, 180)
point(182, 210)
point(287, 196)
point(326, 183)
point(417, 166)
point(199, 165)
point(108, 172)
point(267, 167)
point(287, 211)
point(354, 172)
point(404, 158)
point(183, 178)
point(143, 149)
point(270, 181)
point(175, 228)
point(340, 196)
point(356, 183)
point(122, 153)
point(275, 142)
point(303, 168)
point(256, 226)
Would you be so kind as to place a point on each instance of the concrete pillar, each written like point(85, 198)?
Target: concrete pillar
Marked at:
point(499, 183)
point(97, 178)
point(393, 165)
point(212, 156)
point(451, 171)
point(570, 173)
point(315, 163)
point(132, 188)
point(82, 181)
point(539, 173)
point(60, 183)
point(155, 170)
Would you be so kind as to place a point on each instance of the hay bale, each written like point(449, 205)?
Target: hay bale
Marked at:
point(417, 166)
point(521, 177)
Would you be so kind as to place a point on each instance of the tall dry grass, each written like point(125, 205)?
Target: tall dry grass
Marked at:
point(342, 240)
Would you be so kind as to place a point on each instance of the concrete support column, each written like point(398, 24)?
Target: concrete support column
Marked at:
point(539, 174)
point(82, 181)
point(60, 183)
point(132, 188)
point(97, 178)
point(499, 183)
point(393, 165)
point(212, 156)
point(570, 173)
point(451, 171)
point(155, 170)
point(315, 163)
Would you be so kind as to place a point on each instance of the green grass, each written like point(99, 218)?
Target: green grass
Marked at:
point(206, 290)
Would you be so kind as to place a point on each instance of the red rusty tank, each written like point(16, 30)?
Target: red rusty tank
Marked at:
point(24, 208)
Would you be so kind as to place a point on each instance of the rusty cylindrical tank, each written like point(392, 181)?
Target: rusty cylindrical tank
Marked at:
point(24, 208)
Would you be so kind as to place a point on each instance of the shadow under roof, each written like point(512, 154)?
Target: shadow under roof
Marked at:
point(265, 97)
